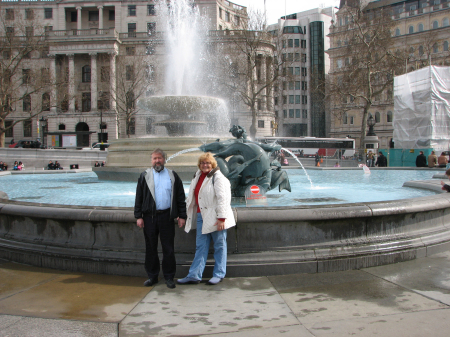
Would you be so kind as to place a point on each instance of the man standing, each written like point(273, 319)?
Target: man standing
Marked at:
point(432, 159)
point(381, 160)
point(160, 199)
point(421, 160)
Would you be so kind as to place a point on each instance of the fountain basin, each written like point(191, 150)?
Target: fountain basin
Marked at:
point(268, 241)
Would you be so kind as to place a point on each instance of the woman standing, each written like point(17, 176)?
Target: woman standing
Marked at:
point(208, 206)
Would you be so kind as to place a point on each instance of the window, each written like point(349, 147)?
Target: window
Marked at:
point(410, 29)
point(284, 99)
point(303, 57)
point(421, 51)
point(445, 47)
point(338, 43)
point(290, 57)
point(9, 129)
point(260, 124)
point(93, 16)
point(9, 31)
point(420, 27)
point(297, 113)
point(291, 85)
point(297, 57)
point(397, 32)
point(62, 127)
point(86, 74)
point(290, 70)
point(86, 101)
point(151, 10)
point(389, 117)
point(304, 113)
point(297, 71)
point(303, 44)
point(304, 99)
point(112, 15)
point(297, 43)
point(284, 114)
point(297, 99)
point(345, 119)
point(131, 10)
point(220, 13)
point(27, 128)
point(26, 104)
point(304, 85)
point(237, 21)
point(297, 85)
point(131, 30)
point(435, 24)
point(129, 73)
point(48, 28)
point(9, 14)
point(129, 96)
point(435, 48)
point(291, 99)
point(377, 117)
point(151, 73)
point(227, 16)
point(444, 22)
point(46, 101)
point(275, 100)
point(104, 74)
point(290, 43)
point(103, 101)
point(291, 113)
point(151, 27)
point(352, 120)
point(131, 50)
point(48, 13)
point(29, 32)
point(339, 63)
point(131, 126)
point(29, 14)
point(26, 76)
point(73, 16)
point(303, 71)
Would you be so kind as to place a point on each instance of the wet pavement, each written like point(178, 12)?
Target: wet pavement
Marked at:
point(405, 299)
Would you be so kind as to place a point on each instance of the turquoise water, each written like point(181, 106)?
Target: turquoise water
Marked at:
point(329, 187)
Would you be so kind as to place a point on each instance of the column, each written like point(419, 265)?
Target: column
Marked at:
point(100, 17)
point(264, 82)
point(94, 81)
point(78, 18)
point(53, 81)
point(112, 81)
point(71, 82)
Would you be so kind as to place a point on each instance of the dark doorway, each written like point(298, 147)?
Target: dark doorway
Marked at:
point(82, 130)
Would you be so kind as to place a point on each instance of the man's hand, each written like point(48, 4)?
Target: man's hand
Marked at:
point(181, 222)
point(140, 223)
point(442, 183)
point(220, 225)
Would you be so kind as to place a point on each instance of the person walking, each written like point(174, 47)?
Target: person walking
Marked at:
point(432, 159)
point(209, 207)
point(421, 160)
point(381, 160)
point(159, 200)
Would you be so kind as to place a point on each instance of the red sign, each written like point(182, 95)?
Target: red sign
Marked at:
point(254, 189)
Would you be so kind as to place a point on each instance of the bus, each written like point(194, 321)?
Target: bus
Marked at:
point(308, 146)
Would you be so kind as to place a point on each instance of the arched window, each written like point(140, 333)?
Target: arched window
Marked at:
point(410, 29)
point(445, 45)
point(82, 130)
point(444, 22)
point(377, 117)
point(397, 32)
point(46, 101)
point(435, 48)
point(86, 74)
point(435, 24)
point(389, 117)
point(61, 127)
point(345, 119)
point(420, 50)
point(420, 27)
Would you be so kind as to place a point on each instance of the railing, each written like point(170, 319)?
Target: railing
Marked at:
point(111, 32)
point(140, 35)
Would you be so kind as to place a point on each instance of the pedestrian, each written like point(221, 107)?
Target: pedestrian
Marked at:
point(381, 160)
point(442, 160)
point(317, 159)
point(370, 159)
point(159, 200)
point(209, 207)
point(432, 159)
point(421, 160)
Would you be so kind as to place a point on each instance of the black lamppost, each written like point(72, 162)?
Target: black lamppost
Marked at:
point(43, 124)
point(101, 116)
point(371, 123)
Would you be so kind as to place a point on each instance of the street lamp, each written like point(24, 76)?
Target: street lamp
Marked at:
point(101, 116)
point(43, 124)
point(371, 123)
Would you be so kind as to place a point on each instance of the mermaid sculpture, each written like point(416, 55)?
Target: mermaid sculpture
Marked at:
point(249, 163)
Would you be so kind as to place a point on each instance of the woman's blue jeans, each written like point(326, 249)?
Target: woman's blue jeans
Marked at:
point(201, 252)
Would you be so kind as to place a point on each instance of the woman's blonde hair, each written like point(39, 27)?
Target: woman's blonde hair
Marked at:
point(207, 156)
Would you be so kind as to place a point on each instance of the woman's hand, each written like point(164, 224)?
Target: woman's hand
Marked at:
point(220, 225)
point(140, 223)
point(181, 222)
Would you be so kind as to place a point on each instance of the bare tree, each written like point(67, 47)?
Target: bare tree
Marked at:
point(25, 80)
point(366, 63)
point(133, 76)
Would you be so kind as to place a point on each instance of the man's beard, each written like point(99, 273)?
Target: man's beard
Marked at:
point(158, 168)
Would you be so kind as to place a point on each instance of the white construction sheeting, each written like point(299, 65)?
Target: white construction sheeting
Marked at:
point(422, 109)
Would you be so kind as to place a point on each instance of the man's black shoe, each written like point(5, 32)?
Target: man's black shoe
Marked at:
point(170, 284)
point(151, 282)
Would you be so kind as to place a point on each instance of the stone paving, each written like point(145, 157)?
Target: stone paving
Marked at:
point(405, 299)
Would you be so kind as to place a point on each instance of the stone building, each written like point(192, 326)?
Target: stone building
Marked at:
point(420, 29)
point(99, 49)
point(300, 112)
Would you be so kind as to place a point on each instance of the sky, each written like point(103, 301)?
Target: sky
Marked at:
point(276, 8)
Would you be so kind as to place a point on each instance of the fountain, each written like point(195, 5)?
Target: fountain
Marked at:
point(266, 241)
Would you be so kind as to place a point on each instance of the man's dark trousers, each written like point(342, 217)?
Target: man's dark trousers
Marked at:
point(159, 224)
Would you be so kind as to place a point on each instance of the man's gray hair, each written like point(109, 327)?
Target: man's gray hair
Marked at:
point(161, 152)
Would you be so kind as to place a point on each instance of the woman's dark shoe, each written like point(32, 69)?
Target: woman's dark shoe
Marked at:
point(151, 282)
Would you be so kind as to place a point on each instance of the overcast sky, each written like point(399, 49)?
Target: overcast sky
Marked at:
point(276, 8)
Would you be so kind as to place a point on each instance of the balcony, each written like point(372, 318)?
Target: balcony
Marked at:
point(140, 36)
point(83, 34)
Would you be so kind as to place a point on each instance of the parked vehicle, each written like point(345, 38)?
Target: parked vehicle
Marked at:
point(31, 144)
point(96, 146)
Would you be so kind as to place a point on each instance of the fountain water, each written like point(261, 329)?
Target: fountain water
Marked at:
point(301, 165)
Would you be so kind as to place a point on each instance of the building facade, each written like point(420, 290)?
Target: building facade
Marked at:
point(299, 107)
point(95, 52)
point(420, 30)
